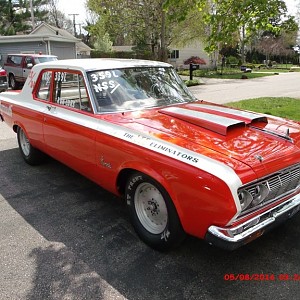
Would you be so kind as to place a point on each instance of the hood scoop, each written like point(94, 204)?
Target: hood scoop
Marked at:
point(210, 121)
point(246, 116)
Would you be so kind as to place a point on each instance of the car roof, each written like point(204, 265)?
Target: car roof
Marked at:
point(100, 64)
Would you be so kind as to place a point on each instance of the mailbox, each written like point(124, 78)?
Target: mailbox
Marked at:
point(192, 68)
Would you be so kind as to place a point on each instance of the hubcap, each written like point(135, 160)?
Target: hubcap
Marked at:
point(24, 143)
point(151, 208)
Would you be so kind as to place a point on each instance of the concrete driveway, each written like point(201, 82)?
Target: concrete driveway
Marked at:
point(227, 90)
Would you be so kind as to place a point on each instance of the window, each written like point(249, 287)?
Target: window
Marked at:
point(43, 91)
point(28, 60)
point(136, 88)
point(16, 60)
point(70, 91)
point(174, 54)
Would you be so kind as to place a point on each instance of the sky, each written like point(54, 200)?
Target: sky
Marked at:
point(78, 7)
point(73, 7)
point(291, 5)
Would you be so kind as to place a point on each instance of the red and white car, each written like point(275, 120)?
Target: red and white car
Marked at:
point(183, 166)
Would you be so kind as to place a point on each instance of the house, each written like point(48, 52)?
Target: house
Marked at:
point(179, 54)
point(44, 39)
point(82, 50)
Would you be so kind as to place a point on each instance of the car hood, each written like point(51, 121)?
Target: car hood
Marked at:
point(263, 143)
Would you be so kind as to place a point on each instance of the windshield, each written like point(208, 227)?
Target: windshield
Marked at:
point(137, 88)
point(42, 59)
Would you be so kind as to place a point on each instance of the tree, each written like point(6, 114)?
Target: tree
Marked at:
point(16, 15)
point(230, 21)
point(139, 22)
point(58, 18)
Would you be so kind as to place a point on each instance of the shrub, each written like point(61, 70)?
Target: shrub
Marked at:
point(195, 60)
point(192, 82)
point(232, 60)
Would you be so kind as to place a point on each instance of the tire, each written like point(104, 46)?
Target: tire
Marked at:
point(31, 155)
point(12, 82)
point(152, 212)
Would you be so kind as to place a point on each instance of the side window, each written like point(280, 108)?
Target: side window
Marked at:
point(43, 92)
point(28, 60)
point(70, 91)
point(16, 60)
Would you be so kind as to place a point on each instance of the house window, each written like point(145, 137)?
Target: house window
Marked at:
point(174, 54)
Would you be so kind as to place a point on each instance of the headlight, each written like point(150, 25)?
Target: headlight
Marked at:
point(253, 195)
point(261, 193)
point(245, 199)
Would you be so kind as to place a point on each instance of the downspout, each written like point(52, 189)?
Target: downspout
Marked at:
point(48, 48)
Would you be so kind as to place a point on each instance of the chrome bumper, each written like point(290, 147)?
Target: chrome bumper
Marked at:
point(233, 237)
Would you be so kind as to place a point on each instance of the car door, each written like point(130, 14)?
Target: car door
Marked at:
point(69, 122)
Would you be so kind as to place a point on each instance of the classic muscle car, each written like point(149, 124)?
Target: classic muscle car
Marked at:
point(183, 166)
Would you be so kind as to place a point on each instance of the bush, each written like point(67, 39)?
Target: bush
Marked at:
point(192, 82)
point(195, 60)
point(232, 60)
point(120, 54)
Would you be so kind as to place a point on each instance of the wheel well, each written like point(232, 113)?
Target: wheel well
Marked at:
point(15, 128)
point(122, 179)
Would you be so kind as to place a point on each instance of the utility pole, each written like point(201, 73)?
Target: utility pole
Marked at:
point(74, 23)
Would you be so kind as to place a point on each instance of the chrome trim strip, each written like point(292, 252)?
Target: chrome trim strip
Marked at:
point(274, 212)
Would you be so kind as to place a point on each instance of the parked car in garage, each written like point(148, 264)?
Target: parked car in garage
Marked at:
point(3, 80)
point(18, 66)
point(183, 166)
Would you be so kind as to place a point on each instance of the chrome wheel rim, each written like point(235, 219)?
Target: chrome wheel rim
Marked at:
point(24, 143)
point(151, 208)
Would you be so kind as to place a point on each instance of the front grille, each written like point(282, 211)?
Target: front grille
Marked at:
point(279, 184)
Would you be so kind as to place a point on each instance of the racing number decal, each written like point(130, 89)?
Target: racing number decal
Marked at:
point(105, 84)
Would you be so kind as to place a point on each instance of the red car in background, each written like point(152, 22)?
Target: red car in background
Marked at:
point(3, 80)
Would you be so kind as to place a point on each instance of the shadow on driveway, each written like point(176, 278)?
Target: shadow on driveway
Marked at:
point(92, 246)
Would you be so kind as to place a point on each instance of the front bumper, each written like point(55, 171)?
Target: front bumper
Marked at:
point(231, 238)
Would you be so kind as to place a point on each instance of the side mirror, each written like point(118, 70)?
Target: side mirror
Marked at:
point(29, 65)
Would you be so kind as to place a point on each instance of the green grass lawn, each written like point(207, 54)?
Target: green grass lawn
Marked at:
point(238, 75)
point(285, 107)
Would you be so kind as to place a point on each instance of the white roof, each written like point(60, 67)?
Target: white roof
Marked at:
point(99, 64)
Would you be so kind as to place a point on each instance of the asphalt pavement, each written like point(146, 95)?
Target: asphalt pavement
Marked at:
point(63, 237)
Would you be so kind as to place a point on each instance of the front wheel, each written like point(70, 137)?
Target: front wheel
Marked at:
point(153, 214)
point(31, 155)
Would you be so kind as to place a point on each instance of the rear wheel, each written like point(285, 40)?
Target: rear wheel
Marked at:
point(31, 155)
point(153, 214)
point(12, 82)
